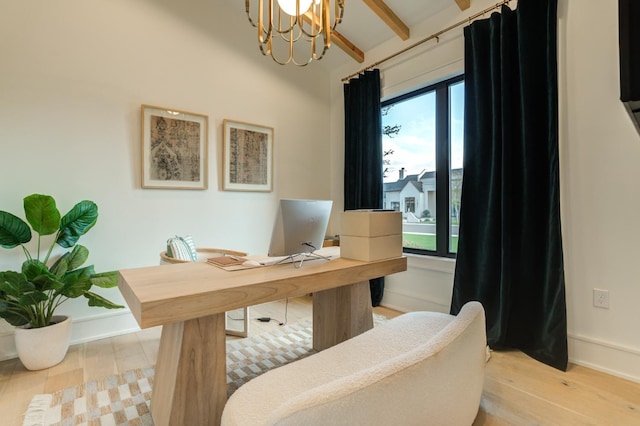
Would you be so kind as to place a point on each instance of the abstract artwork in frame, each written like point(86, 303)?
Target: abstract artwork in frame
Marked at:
point(174, 149)
point(247, 157)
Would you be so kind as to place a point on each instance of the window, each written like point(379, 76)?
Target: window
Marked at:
point(422, 147)
point(410, 205)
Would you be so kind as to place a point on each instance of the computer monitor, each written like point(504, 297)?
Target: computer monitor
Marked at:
point(299, 227)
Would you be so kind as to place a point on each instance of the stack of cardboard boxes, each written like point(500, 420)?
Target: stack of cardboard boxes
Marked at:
point(371, 235)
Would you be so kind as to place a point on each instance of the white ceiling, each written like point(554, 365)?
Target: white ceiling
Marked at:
point(366, 30)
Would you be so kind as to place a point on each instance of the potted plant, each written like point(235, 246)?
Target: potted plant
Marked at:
point(30, 297)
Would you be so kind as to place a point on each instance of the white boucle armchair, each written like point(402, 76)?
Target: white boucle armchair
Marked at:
point(421, 368)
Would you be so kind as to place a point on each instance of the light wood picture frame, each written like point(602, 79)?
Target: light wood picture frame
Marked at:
point(247, 157)
point(174, 149)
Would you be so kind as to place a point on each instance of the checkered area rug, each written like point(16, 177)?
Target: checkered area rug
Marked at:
point(123, 399)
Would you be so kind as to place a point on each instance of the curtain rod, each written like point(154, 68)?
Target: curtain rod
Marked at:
point(431, 37)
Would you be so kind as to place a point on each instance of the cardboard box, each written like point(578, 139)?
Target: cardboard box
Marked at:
point(370, 235)
point(371, 223)
point(370, 248)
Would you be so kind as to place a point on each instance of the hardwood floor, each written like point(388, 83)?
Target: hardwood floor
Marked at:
point(517, 390)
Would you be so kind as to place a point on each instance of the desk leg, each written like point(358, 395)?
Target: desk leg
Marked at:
point(190, 384)
point(340, 314)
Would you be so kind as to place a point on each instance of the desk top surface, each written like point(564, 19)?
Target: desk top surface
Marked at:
point(169, 293)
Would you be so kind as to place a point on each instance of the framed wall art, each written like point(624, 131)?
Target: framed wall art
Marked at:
point(247, 157)
point(174, 149)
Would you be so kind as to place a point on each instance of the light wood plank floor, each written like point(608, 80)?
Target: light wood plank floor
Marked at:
point(517, 391)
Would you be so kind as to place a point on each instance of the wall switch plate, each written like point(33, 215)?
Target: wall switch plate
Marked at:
point(601, 298)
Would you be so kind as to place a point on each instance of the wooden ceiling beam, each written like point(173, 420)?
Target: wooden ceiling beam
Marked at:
point(342, 42)
point(349, 48)
point(380, 8)
point(463, 4)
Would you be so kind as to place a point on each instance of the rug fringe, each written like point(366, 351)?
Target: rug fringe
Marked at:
point(37, 410)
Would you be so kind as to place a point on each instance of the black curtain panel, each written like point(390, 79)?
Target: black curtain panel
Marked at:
point(510, 243)
point(363, 151)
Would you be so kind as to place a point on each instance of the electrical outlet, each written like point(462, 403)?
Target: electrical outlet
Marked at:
point(601, 298)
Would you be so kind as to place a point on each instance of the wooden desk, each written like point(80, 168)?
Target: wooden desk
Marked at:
point(190, 301)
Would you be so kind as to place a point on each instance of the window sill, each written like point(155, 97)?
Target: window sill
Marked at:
point(432, 263)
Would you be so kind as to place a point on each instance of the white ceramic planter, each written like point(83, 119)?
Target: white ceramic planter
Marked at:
point(40, 348)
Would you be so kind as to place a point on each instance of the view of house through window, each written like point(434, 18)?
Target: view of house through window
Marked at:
point(422, 147)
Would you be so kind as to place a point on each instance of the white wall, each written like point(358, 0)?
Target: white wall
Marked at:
point(74, 74)
point(600, 195)
point(600, 152)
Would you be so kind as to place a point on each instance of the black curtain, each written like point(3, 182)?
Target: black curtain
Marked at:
point(510, 244)
point(363, 151)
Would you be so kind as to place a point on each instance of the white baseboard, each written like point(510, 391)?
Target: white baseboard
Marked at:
point(617, 360)
point(83, 330)
point(405, 302)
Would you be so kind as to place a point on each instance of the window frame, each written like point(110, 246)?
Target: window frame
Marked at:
point(443, 163)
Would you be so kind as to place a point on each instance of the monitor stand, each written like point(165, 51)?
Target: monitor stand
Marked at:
point(304, 255)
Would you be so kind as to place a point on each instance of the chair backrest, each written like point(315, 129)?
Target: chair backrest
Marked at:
point(182, 248)
point(439, 382)
point(202, 255)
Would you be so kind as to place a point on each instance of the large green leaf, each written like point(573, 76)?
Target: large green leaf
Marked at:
point(42, 213)
point(33, 267)
point(70, 260)
point(78, 256)
point(46, 282)
point(13, 231)
point(97, 300)
point(14, 284)
point(77, 222)
point(11, 315)
point(37, 273)
point(105, 279)
point(77, 282)
point(33, 298)
point(61, 266)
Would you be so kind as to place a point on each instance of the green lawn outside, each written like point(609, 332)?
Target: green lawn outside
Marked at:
point(425, 242)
